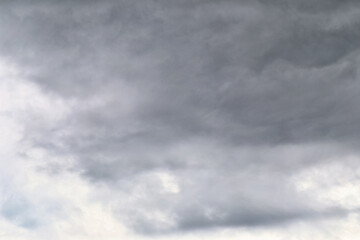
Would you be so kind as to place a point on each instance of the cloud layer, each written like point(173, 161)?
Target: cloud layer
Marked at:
point(192, 115)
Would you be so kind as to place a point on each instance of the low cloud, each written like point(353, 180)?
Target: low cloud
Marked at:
point(192, 115)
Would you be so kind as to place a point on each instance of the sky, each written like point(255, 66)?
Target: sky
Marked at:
point(179, 120)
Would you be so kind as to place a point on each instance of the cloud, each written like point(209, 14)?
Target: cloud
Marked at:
point(196, 115)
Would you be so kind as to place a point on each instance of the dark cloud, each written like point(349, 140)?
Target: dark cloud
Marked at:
point(200, 90)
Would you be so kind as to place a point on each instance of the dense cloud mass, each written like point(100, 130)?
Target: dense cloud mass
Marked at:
point(194, 115)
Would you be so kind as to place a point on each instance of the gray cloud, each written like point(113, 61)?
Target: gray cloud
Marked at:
point(201, 90)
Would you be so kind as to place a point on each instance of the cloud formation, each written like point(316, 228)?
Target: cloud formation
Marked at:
point(192, 115)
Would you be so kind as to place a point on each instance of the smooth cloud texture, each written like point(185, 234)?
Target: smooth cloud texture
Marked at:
point(194, 114)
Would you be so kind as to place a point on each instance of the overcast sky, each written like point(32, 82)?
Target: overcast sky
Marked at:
point(179, 120)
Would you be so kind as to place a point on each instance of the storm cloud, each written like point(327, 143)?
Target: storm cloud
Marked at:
point(194, 115)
